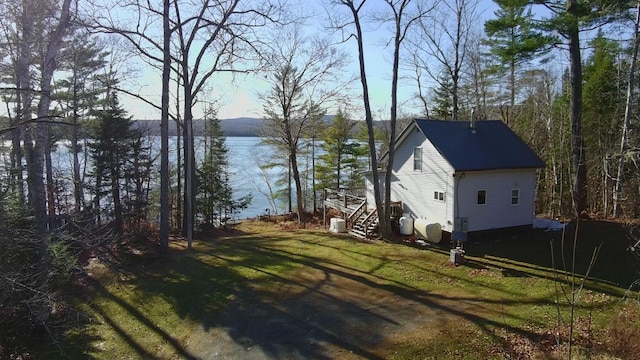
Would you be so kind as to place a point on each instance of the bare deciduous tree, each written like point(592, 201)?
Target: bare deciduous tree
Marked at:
point(624, 141)
point(402, 15)
point(441, 45)
point(306, 77)
point(212, 37)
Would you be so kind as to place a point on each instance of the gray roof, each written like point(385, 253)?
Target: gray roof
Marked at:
point(489, 145)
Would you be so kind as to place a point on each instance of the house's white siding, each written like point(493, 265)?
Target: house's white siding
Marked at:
point(371, 200)
point(416, 188)
point(498, 211)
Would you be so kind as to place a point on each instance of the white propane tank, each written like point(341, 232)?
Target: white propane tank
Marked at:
point(430, 232)
point(420, 229)
point(337, 225)
point(434, 232)
point(406, 224)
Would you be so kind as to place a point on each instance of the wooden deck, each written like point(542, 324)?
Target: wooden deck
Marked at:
point(342, 201)
point(360, 224)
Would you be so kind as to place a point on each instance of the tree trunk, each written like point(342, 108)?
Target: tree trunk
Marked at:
point(624, 142)
point(298, 183)
point(367, 109)
point(189, 169)
point(577, 142)
point(50, 184)
point(23, 75)
point(313, 172)
point(48, 67)
point(16, 155)
point(78, 188)
point(96, 199)
point(34, 150)
point(115, 195)
point(164, 135)
point(17, 170)
point(289, 192)
point(179, 172)
point(398, 37)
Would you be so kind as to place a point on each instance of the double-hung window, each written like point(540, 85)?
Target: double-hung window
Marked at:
point(417, 159)
point(515, 197)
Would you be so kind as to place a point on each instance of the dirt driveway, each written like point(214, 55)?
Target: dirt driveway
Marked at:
point(325, 312)
point(339, 319)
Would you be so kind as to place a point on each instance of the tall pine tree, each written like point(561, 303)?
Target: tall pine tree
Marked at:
point(332, 167)
point(214, 192)
point(514, 41)
point(111, 149)
point(214, 197)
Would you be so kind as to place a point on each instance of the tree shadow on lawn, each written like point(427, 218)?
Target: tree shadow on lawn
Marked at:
point(614, 264)
point(255, 299)
point(321, 309)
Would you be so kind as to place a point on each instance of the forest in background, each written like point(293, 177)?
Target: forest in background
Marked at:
point(561, 73)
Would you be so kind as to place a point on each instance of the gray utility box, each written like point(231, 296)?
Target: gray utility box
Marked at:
point(456, 256)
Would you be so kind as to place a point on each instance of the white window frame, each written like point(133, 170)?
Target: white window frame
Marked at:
point(417, 151)
point(439, 196)
point(516, 197)
point(478, 197)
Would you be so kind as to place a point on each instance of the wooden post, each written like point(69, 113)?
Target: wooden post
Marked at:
point(324, 207)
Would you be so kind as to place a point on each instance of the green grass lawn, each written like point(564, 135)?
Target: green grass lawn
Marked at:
point(263, 292)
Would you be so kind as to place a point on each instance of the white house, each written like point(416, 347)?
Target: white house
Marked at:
point(466, 176)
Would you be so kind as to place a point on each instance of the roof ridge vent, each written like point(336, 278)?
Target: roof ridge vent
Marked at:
point(472, 122)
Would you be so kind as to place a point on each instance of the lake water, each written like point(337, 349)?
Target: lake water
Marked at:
point(245, 156)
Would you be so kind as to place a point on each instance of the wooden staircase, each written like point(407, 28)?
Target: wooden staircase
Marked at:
point(353, 208)
point(365, 226)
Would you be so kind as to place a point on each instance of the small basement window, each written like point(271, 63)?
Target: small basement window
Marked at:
point(438, 195)
point(515, 197)
point(417, 159)
point(482, 197)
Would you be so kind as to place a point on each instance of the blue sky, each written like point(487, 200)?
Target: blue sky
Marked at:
point(239, 98)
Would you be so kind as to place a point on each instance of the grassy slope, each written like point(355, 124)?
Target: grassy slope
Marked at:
point(501, 302)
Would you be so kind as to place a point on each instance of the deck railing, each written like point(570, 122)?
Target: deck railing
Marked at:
point(357, 212)
point(341, 200)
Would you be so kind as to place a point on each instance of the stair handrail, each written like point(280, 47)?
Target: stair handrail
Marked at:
point(366, 219)
point(357, 212)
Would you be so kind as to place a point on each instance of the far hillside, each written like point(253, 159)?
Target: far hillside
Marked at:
point(242, 126)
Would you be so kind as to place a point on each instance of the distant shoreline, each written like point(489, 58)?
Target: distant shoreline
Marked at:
point(236, 127)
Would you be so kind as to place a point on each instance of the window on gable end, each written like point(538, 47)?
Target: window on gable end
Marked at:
point(482, 197)
point(515, 197)
point(417, 159)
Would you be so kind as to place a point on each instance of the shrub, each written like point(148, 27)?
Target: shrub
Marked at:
point(623, 333)
point(62, 264)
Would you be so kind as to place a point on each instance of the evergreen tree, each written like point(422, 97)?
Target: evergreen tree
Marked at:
point(111, 149)
point(214, 192)
point(330, 172)
point(215, 195)
point(138, 176)
point(443, 99)
point(355, 163)
point(568, 18)
point(512, 39)
point(603, 111)
point(78, 94)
